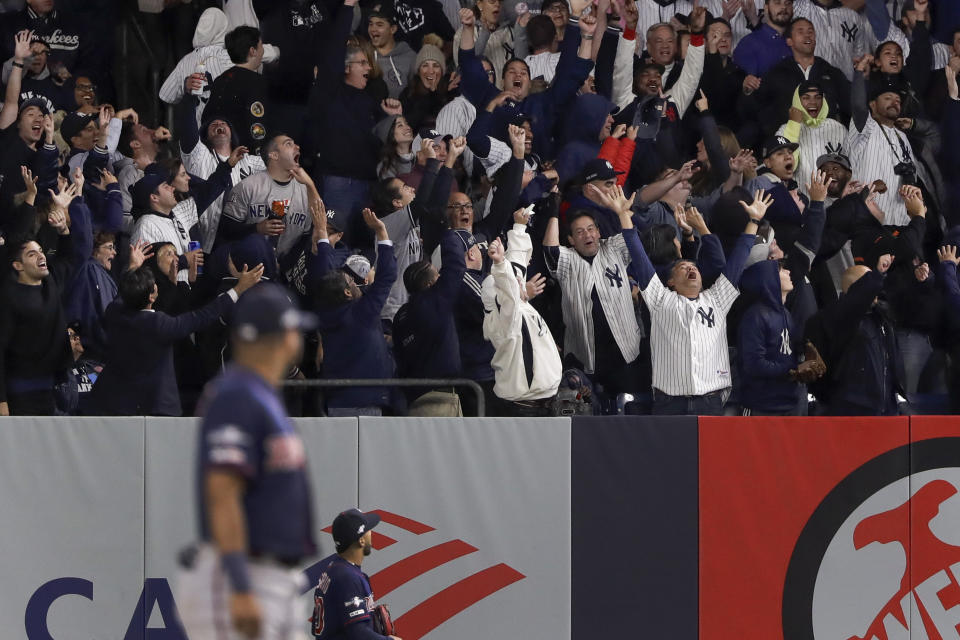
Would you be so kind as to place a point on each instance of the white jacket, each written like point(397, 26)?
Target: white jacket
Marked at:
point(506, 315)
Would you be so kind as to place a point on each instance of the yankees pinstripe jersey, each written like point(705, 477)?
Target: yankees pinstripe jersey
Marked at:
point(874, 153)
point(543, 65)
point(175, 229)
point(842, 34)
point(202, 162)
point(828, 137)
point(526, 363)
point(652, 13)
point(607, 274)
point(455, 119)
point(688, 338)
point(259, 196)
point(216, 60)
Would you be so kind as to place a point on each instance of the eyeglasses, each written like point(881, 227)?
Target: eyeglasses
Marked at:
point(461, 207)
point(554, 8)
point(109, 246)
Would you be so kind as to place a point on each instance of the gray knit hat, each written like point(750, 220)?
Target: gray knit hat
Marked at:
point(430, 52)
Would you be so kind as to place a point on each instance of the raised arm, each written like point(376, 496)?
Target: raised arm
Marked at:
point(738, 257)
point(21, 50)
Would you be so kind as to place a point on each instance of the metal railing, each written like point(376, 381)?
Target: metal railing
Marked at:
point(395, 382)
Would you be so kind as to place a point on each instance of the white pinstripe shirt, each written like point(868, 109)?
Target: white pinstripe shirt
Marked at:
point(455, 119)
point(214, 57)
point(688, 338)
point(652, 13)
point(543, 65)
point(874, 152)
point(842, 34)
point(607, 273)
point(829, 137)
point(202, 162)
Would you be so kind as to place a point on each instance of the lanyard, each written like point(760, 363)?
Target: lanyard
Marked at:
point(903, 146)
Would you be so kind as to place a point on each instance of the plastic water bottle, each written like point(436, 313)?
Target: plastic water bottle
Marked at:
point(201, 68)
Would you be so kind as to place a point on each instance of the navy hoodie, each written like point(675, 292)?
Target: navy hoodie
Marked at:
point(769, 341)
point(353, 342)
point(581, 134)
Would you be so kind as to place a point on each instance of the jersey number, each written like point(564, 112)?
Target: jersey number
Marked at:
point(316, 627)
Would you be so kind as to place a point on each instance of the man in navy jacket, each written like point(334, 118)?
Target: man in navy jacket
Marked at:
point(351, 333)
point(138, 376)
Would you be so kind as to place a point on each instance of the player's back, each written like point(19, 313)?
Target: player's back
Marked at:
point(342, 597)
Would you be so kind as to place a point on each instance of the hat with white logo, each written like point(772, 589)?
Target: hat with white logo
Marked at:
point(775, 143)
point(350, 525)
point(599, 169)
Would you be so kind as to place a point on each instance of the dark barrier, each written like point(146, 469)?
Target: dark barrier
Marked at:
point(634, 516)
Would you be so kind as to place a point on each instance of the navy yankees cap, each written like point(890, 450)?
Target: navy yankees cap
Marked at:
point(350, 525)
point(775, 143)
point(73, 123)
point(266, 310)
point(143, 188)
point(45, 106)
point(599, 169)
point(809, 85)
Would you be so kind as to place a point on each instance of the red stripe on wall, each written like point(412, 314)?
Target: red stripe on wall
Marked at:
point(404, 523)
point(399, 573)
point(437, 609)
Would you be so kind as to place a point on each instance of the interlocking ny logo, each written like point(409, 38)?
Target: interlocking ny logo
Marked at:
point(849, 31)
point(441, 606)
point(614, 276)
point(706, 317)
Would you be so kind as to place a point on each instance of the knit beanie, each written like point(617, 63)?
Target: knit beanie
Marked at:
point(430, 52)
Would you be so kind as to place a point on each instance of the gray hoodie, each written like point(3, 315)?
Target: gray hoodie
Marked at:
point(396, 66)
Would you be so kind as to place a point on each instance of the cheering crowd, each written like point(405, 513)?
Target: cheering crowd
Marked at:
point(584, 206)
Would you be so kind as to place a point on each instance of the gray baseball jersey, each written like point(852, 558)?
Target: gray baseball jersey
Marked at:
point(259, 195)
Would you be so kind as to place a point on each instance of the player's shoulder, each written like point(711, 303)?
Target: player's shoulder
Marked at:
point(233, 393)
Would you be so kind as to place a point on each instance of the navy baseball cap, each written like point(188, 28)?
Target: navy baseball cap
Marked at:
point(350, 525)
point(810, 85)
point(143, 188)
point(775, 143)
point(384, 11)
point(73, 123)
point(39, 102)
point(267, 310)
point(599, 169)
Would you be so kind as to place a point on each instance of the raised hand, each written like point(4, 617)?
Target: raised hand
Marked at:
point(427, 150)
point(375, 224)
point(140, 252)
point(863, 64)
point(467, 17)
point(103, 118)
point(687, 169)
point(500, 99)
point(695, 220)
point(818, 185)
point(63, 199)
point(106, 179)
point(796, 115)
point(951, 71)
point(948, 253)
point(588, 26)
point(884, 262)
point(47, 124)
point(702, 103)
point(631, 15)
point(21, 45)
point(193, 82)
point(495, 251)
point(680, 215)
point(729, 9)
point(922, 272)
point(750, 11)
point(913, 199)
point(521, 216)
point(535, 286)
point(299, 174)
point(246, 278)
point(698, 18)
point(742, 161)
point(57, 218)
point(78, 179)
point(392, 107)
point(758, 209)
point(31, 183)
point(128, 114)
point(161, 134)
point(853, 186)
point(456, 147)
point(518, 139)
point(618, 131)
point(632, 132)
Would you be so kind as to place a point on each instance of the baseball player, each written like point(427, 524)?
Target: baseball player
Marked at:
point(343, 601)
point(244, 580)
